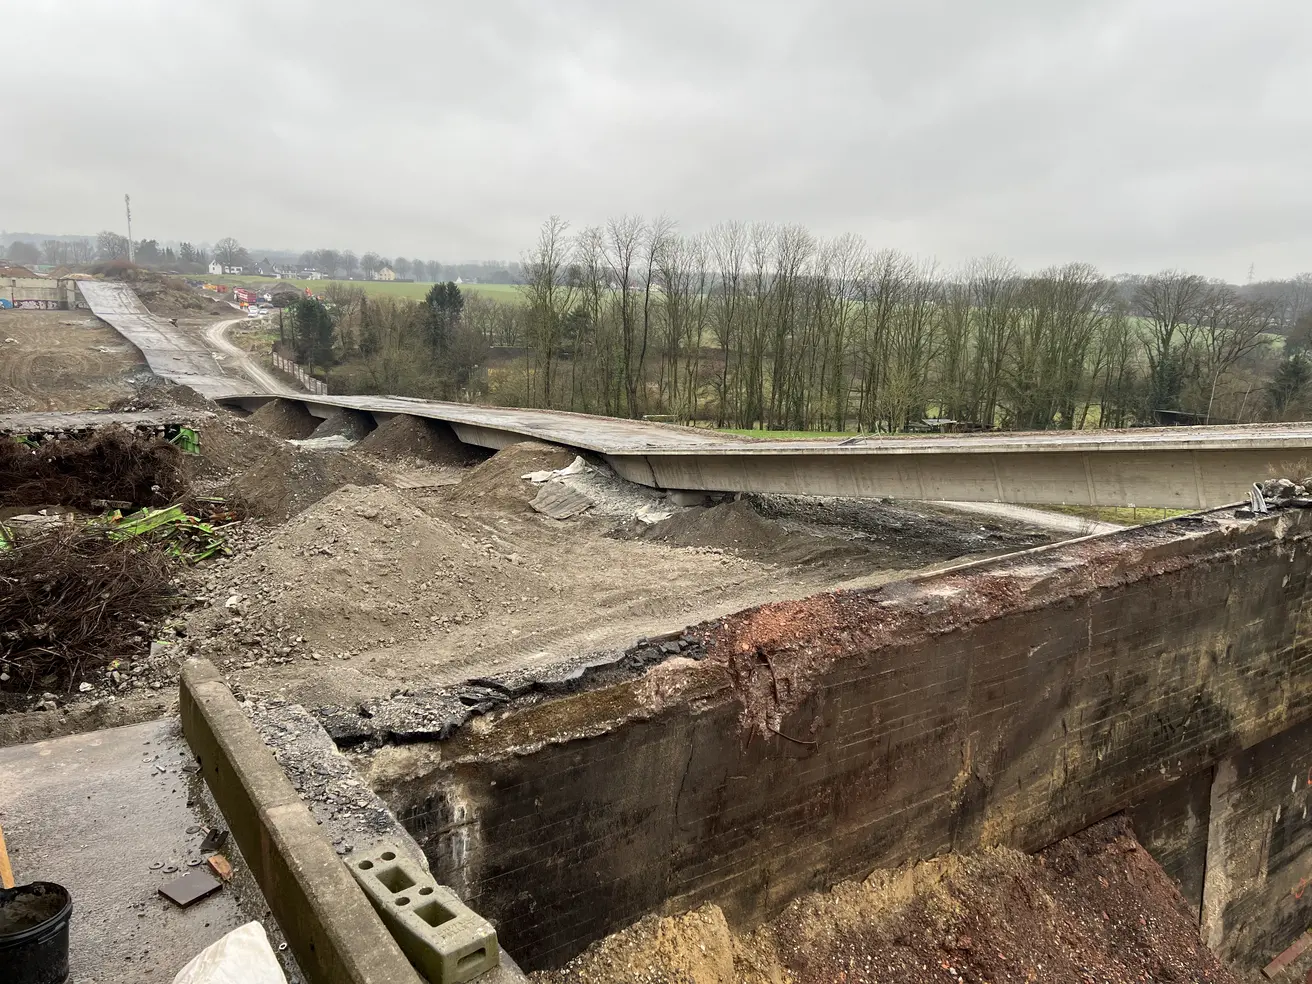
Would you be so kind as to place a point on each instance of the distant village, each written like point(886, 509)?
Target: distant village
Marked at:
point(284, 272)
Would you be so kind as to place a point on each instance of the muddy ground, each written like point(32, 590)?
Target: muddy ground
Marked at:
point(64, 360)
point(1095, 907)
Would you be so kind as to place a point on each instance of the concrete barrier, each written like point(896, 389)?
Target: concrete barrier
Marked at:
point(329, 923)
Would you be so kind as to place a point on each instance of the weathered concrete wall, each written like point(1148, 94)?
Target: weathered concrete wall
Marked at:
point(1256, 901)
point(40, 293)
point(1013, 702)
point(1173, 825)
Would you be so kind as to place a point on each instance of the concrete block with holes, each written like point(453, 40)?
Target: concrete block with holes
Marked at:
point(446, 940)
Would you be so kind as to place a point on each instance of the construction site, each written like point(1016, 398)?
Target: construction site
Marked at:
point(444, 692)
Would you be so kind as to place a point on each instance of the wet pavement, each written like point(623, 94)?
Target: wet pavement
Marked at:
point(106, 814)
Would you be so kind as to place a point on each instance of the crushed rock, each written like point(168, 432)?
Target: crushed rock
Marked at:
point(609, 494)
point(268, 477)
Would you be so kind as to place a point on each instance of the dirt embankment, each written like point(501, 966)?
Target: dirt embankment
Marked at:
point(1092, 908)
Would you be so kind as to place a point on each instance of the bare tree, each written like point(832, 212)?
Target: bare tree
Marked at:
point(1229, 328)
point(1169, 302)
point(350, 263)
point(549, 292)
point(370, 264)
point(80, 251)
point(328, 261)
point(55, 251)
point(229, 252)
point(111, 246)
point(402, 267)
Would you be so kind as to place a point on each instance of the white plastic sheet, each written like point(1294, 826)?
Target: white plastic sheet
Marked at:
point(242, 957)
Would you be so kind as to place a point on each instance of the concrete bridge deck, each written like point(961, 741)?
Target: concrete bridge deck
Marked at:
point(1181, 468)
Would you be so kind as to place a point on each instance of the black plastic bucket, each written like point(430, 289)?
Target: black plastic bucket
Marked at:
point(34, 933)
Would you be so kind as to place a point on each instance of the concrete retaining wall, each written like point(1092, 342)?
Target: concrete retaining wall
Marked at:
point(1015, 702)
point(41, 293)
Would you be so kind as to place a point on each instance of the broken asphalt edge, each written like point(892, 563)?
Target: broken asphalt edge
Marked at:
point(330, 925)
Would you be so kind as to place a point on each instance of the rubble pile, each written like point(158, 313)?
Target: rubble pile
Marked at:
point(359, 569)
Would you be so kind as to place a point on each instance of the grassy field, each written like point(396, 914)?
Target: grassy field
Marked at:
point(507, 293)
point(1125, 515)
point(773, 435)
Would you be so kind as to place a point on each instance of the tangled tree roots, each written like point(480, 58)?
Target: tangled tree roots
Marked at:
point(72, 600)
point(110, 464)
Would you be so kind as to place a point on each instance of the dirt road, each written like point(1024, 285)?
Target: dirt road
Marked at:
point(216, 338)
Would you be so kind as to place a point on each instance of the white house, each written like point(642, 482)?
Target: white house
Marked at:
point(218, 269)
point(386, 273)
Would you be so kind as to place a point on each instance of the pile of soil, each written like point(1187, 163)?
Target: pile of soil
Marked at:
point(363, 567)
point(285, 418)
point(354, 425)
point(404, 437)
point(499, 482)
point(1094, 907)
point(109, 464)
point(268, 478)
point(739, 528)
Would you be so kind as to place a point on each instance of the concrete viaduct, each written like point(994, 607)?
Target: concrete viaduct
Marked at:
point(1180, 468)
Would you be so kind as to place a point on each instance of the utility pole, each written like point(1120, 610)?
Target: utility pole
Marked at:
point(127, 204)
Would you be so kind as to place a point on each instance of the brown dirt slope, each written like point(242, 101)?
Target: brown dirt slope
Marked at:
point(1092, 908)
point(498, 482)
point(285, 418)
point(404, 437)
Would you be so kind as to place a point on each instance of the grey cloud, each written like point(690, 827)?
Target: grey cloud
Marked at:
point(1134, 134)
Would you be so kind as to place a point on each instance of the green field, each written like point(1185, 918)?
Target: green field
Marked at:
point(773, 435)
point(507, 293)
point(1125, 515)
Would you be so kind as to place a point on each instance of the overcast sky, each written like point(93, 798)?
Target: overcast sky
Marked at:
point(1134, 134)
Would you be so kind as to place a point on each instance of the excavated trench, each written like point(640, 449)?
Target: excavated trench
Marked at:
point(1162, 672)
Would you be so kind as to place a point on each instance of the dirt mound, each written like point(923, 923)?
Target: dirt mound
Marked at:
point(354, 425)
point(110, 464)
point(499, 482)
point(157, 393)
point(403, 437)
point(360, 568)
point(1094, 907)
point(740, 529)
point(285, 418)
point(267, 477)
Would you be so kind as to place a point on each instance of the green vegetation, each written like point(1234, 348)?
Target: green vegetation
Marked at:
point(507, 293)
point(1124, 515)
point(785, 435)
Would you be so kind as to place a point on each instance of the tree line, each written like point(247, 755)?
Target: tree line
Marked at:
point(769, 326)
